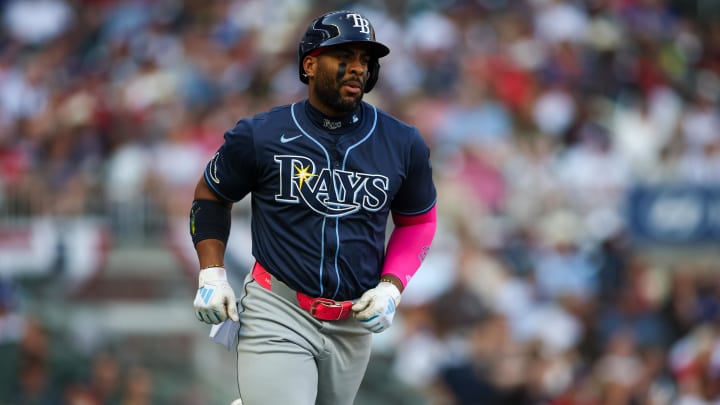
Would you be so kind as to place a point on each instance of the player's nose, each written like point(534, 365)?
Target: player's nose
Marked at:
point(357, 67)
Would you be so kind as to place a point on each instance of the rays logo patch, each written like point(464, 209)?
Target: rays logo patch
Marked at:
point(213, 168)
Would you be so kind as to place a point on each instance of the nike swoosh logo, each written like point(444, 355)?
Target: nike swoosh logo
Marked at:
point(285, 139)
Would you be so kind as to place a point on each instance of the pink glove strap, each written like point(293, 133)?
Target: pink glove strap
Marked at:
point(409, 244)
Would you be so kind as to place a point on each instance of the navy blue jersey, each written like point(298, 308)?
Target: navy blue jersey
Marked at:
point(320, 200)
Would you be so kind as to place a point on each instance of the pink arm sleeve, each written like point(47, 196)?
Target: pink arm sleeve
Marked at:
point(409, 244)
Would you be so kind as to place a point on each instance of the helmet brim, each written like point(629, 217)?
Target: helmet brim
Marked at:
point(376, 49)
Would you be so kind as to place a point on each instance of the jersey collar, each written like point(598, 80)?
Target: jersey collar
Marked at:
point(334, 125)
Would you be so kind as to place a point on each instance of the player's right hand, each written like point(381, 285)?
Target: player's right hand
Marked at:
point(215, 298)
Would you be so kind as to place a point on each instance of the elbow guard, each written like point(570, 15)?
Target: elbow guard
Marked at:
point(209, 220)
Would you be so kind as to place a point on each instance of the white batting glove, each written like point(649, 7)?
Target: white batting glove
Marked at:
point(376, 308)
point(215, 298)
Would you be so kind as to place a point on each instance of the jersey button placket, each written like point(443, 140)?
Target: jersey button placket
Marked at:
point(337, 156)
point(331, 245)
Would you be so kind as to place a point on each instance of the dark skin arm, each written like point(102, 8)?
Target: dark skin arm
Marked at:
point(391, 278)
point(210, 252)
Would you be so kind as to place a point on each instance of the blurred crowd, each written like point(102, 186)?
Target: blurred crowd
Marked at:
point(541, 115)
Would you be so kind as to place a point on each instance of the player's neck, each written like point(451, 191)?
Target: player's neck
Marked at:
point(335, 125)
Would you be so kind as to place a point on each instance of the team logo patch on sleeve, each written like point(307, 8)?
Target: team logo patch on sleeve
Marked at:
point(213, 169)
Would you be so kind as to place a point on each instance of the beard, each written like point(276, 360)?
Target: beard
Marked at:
point(327, 90)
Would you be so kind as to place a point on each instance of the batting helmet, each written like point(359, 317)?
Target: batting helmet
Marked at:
point(342, 27)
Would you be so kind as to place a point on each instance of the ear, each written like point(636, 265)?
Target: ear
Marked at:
point(309, 66)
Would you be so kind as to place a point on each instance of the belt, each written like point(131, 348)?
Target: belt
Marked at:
point(323, 309)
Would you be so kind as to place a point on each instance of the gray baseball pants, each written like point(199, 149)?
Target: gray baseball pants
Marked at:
point(287, 357)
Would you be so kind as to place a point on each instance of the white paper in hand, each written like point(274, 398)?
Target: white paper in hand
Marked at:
point(225, 333)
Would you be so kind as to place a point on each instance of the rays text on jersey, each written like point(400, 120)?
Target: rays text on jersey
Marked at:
point(326, 191)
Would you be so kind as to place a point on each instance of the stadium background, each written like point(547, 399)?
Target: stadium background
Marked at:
point(576, 148)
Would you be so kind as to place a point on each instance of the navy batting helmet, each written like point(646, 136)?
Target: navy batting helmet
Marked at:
point(342, 27)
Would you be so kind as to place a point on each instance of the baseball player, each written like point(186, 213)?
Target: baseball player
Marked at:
point(324, 175)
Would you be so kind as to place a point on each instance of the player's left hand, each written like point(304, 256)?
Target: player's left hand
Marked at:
point(376, 308)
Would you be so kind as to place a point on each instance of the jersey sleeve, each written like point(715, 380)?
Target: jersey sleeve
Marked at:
point(231, 173)
point(417, 194)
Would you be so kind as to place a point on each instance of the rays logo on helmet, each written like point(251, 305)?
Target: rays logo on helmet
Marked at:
point(360, 22)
